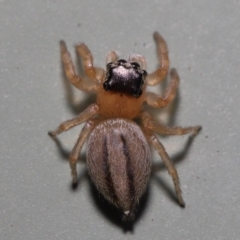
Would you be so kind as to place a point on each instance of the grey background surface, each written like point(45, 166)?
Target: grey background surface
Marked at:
point(36, 198)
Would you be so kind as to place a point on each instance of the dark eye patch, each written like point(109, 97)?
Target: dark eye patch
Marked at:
point(135, 65)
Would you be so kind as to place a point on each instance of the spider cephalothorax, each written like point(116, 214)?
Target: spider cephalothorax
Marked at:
point(118, 153)
point(125, 77)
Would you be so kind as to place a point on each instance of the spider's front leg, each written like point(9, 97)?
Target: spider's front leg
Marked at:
point(139, 59)
point(93, 73)
point(162, 52)
point(76, 80)
point(157, 101)
point(111, 57)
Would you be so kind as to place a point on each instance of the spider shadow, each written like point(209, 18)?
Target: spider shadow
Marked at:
point(114, 215)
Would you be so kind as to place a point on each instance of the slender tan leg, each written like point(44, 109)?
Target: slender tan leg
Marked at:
point(73, 158)
point(111, 57)
point(156, 101)
point(139, 59)
point(169, 165)
point(163, 130)
point(77, 81)
point(87, 59)
point(87, 114)
point(162, 51)
point(149, 126)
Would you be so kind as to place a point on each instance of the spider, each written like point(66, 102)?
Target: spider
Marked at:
point(118, 149)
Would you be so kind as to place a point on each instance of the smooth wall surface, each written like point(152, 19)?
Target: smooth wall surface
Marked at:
point(36, 197)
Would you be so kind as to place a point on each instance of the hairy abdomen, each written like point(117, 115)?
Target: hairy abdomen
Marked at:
point(119, 162)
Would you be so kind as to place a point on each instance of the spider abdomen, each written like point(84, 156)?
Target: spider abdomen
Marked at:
point(119, 162)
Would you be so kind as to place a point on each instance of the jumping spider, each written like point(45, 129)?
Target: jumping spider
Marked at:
point(118, 153)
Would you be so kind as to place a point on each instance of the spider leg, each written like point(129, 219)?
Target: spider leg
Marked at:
point(73, 158)
point(162, 51)
point(139, 59)
point(164, 130)
point(76, 80)
point(92, 72)
point(87, 114)
point(156, 101)
point(149, 126)
point(168, 163)
point(111, 57)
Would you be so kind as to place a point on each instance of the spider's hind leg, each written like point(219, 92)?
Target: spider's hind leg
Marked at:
point(169, 165)
point(149, 127)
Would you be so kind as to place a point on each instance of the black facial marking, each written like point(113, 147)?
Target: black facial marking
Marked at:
point(129, 169)
point(108, 178)
point(125, 77)
point(135, 65)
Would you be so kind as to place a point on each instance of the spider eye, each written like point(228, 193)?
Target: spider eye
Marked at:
point(135, 65)
point(121, 61)
point(109, 65)
point(144, 73)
